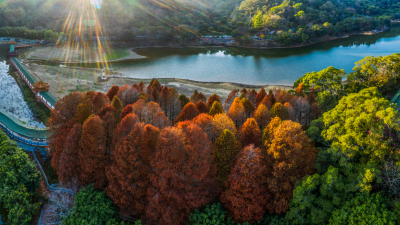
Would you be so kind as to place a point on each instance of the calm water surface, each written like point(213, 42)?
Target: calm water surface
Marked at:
point(253, 66)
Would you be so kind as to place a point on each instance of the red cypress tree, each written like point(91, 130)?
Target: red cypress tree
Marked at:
point(141, 86)
point(112, 92)
point(283, 97)
point(64, 110)
point(156, 84)
point(124, 128)
point(266, 102)
point(260, 96)
point(128, 175)
point(106, 109)
point(127, 109)
point(246, 198)
point(57, 142)
point(165, 97)
point(243, 91)
point(271, 98)
point(92, 153)
point(138, 108)
point(251, 95)
point(291, 112)
point(177, 189)
point(99, 101)
point(212, 99)
point(150, 138)
point(205, 122)
point(250, 133)
point(150, 111)
point(160, 121)
point(188, 112)
point(155, 94)
point(202, 107)
point(69, 162)
point(109, 124)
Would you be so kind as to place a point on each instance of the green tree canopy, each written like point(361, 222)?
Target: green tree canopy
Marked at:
point(92, 208)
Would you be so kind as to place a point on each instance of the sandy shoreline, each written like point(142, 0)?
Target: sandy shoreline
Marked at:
point(65, 80)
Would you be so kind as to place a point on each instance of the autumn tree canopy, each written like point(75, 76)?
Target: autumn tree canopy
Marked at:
point(92, 153)
point(291, 156)
point(247, 195)
point(226, 149)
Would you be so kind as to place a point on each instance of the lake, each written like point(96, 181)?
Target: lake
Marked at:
point(254, 66)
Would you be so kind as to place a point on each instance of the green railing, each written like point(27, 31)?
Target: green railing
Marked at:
point(46, 97)
point(16, 126)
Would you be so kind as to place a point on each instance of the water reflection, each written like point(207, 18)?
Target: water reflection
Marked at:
point(254, 66)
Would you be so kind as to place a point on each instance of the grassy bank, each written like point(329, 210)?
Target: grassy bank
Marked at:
point(39, 110)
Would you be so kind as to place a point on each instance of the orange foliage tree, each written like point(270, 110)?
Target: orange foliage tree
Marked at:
point(291, 156)
point(250, 133)
point(112, 92)
point(262, 116)
point(202, 107)
point(205, 122)
point(299, 89)
point(220, 123)
point(246, 197)
point(69, 163)
point(229, 100)
point(226, 149)
point(92, 154)
point(266, 102)
point(237, 112)
point(182, 174)
point(188, 112)
point(128, 174)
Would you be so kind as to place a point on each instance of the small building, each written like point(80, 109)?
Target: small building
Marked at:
point(41, 86)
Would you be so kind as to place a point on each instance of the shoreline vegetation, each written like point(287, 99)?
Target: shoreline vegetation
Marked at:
point(127, 53)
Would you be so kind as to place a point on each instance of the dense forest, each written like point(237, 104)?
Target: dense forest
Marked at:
point(325, 152)
point(170, 20)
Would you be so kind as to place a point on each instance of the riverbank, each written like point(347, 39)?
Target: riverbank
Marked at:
point(65, 80)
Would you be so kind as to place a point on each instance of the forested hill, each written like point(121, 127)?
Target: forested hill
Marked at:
point(291, 21)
